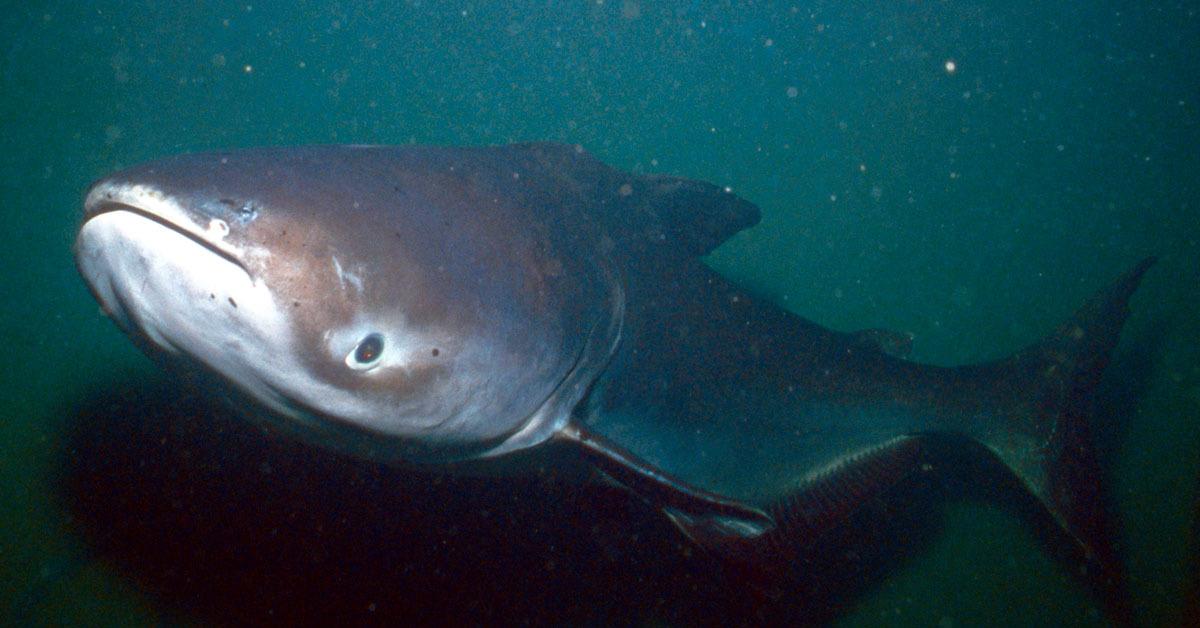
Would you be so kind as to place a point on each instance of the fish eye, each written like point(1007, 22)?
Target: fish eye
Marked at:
point(366, 354)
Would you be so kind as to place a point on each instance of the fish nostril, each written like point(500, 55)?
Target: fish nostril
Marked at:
point(246, 212)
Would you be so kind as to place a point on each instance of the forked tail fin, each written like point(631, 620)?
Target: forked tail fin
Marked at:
point(1049, 437)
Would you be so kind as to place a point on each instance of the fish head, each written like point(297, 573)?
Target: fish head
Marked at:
point(387, 302)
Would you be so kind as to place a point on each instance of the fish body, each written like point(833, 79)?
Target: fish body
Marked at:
point(439, 305)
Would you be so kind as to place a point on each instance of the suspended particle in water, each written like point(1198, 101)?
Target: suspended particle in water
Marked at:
point(112, 133)
point(951, 66)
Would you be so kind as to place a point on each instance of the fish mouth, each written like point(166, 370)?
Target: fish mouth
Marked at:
point(202, 238)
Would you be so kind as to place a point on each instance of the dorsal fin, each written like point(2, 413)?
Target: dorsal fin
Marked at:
point(693, 215)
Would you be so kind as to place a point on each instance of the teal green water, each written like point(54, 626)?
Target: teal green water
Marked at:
point(974, 205)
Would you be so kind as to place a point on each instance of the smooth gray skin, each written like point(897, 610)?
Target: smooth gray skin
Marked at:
point(530, 294)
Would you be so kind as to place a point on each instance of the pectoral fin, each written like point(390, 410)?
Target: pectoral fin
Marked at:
point(704, 517)
point(766, 539)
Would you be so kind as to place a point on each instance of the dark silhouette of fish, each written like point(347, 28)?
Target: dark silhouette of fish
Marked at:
point(442, 305)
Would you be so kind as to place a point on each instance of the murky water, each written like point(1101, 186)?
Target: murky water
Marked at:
point(969, 172)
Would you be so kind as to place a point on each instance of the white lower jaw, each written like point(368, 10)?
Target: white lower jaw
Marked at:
point(182, 296)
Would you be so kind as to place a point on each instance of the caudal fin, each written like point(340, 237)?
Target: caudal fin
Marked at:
point(1049, 442)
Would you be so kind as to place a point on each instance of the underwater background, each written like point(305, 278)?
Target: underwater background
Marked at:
point(967, 171)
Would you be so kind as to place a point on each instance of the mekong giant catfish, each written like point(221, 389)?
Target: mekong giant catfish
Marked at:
point(435, 305)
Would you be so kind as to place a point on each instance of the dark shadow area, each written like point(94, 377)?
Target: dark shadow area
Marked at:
point(1124, 384)
point(1191, 599)
point(219, 520)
